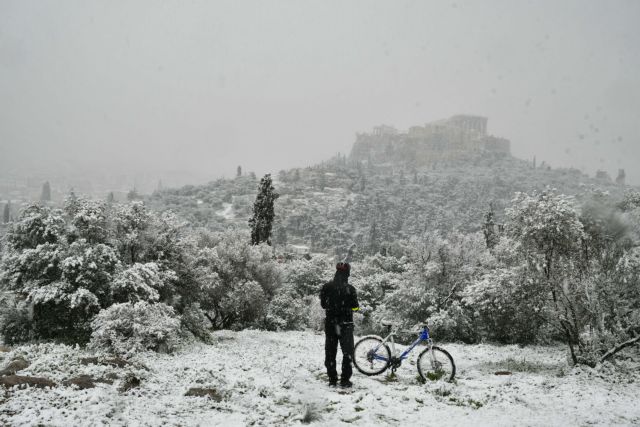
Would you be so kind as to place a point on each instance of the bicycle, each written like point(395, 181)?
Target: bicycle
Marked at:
point(372, 356)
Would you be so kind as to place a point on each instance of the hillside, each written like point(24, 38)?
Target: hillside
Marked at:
point(374, 200)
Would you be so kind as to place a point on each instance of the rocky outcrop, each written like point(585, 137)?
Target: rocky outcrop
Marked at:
point(211, 393)
point(16, 365)
point(18, 380)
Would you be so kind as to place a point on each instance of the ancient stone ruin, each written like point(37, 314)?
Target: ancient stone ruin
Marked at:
point(440, 141)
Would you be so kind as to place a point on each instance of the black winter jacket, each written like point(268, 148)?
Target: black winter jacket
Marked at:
point(339, 299)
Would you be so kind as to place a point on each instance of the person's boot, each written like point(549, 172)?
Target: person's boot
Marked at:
point(333, 382)
point(346, 384)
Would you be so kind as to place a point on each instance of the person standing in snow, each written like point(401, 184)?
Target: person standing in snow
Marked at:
point(339, 299)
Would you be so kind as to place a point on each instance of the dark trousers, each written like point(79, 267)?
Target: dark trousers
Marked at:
point(343, 334)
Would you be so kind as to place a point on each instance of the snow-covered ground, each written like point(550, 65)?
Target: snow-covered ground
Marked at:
point(226, 212)
point(264, 378)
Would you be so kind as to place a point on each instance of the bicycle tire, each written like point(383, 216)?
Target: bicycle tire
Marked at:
point(439, 372)
point(363, 360)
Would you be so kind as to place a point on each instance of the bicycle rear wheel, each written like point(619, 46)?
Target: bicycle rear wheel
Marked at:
point(438, 366)
point(371, 356)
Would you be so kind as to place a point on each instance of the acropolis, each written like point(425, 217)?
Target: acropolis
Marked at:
point(442, 140)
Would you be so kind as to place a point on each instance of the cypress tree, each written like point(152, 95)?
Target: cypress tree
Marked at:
point(46, 192)
point(7, 212)
point(263, 212)
point(490, 235)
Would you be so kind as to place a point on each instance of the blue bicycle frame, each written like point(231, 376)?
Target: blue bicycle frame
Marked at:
point(424, 336)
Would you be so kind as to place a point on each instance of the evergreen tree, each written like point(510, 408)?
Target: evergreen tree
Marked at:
point(489, 229)
point(239, 171)
point(322, 181)
point(133, 195)
point(7, 212)
point(263, 212)
point(374, 243)
point(72, 204)
point(110, 197)
point(46, 192)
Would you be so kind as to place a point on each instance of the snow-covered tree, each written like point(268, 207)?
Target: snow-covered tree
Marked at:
point(141, 282)
point(549, 229)
point(132, 222)
point(263, 212)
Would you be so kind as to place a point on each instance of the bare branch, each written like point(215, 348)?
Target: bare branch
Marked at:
point(620, 347)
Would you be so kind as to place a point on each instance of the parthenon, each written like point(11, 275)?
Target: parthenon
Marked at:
point(442, 140)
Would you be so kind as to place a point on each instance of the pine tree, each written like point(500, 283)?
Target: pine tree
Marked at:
point(7, 212)
point(374, 244)
point(110, 197)
point(489, 229)
point(46, 192)
point(322, 181)
point(263, 212)
point(239, 171)
point(133, 195)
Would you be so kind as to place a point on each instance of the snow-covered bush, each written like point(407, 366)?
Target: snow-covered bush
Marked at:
point(287, 310)
point(15, 323)
point(140, 282)
point(66, 268)
point(452, 324)
point(88, 220)
point(196, 322)
point(504, 307)
point(234, 280)
point(306, 277)
point(128, 328)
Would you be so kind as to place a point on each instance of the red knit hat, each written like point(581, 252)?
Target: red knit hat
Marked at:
point(343, 266)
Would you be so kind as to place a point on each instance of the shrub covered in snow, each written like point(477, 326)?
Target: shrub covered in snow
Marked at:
point(61, 268)
point(127, 328)
point(287, 311)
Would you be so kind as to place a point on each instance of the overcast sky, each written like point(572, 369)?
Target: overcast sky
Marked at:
point(208, 85)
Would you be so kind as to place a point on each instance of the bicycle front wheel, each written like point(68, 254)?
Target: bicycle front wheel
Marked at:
point(437, 365)
point(371, 356)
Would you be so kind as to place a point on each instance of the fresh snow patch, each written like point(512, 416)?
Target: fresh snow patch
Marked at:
point(227, 211)
point(270, 378)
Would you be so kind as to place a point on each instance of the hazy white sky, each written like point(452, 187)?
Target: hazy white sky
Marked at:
point(207, 85)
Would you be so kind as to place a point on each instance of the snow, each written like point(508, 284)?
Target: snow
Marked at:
point(270, 378)
point(227, 211)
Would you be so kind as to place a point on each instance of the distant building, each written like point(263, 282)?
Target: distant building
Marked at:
point(603, 175)
point(441, 140)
